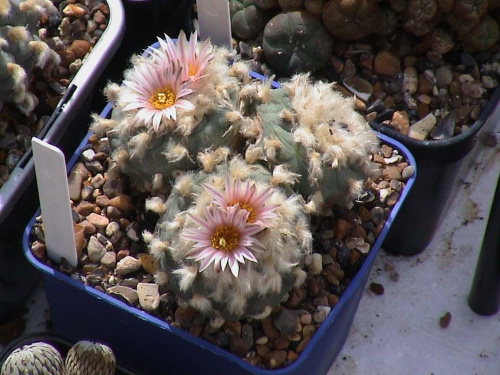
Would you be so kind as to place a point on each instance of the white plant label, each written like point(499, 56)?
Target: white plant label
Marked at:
point(52, 181)
point(214, 21)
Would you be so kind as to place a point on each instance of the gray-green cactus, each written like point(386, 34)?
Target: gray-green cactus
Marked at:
point(87, 357)
point(316, 134)
point(21, 50)
point(144, 154)
point(35, 359)
point(243, 166)
point(252, 288)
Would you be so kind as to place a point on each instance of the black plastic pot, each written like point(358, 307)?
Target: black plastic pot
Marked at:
point(61, 344)
point(438, 163)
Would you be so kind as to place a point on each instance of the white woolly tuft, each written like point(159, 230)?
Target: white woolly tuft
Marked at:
point(315, 204)
point(264, 313)
point(101, 125)
point(121, 158)
point(139, 144)
point(157, 248)
point(112, 92)
point(184, 184)
point(187, 275)
point(175, 152)
point(156, 204)
point(300, 277)
point(253, 154)
point(201, 303)
point(238, 169)
point(271, 146)
point(281, 175)
point(41, 50)
point(161, 278)
point(315, 169)
point(304, 135)
point(251, 128)
point(237, 303)
point(147, 236)
point(217, 322)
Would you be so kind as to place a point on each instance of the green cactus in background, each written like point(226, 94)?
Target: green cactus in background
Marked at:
point(21, 51)
point(251, 224)
point(296, 42)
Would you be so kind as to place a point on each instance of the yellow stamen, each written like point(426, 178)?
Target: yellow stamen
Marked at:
point(247, 207)
point(162, 99)
point(192, 71)
point(225, 238)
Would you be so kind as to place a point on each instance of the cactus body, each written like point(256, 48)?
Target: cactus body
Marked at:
point(259, 285)
point(21, 51)
point(34, 359)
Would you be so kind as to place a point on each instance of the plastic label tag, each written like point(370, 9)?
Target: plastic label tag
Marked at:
point(52, 181)
point(214, 21)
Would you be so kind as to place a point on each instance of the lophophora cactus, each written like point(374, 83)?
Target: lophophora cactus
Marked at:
point(292, 30)
point(237, 217)
point(235, 168)
point(21, 51)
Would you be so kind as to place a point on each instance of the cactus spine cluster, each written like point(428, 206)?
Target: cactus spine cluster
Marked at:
point(21, 51)
point(242, 167)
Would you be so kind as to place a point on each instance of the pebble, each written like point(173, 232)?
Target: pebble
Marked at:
point(386, 64)
point(108, 260)
point(149, 296)
point(421, 129)
point(321, 313)
point(316, 265)
point(286, 321)
point(275, 359)
point(124, 293)
point(99, 221)
point(127, 266)
point(95, 249)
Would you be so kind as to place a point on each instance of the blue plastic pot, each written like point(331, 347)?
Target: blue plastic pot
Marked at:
point(148, 345)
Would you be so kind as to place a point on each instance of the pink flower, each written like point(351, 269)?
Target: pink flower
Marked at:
point(224, 238)
point(185, 55)
point(246, 197)
point(156, 94)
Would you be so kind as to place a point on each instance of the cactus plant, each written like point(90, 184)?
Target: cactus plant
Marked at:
point(87, 357)
point(240, 217)
point(21, 51)
point(249, 165)
point(34, 359)
point(296, 42)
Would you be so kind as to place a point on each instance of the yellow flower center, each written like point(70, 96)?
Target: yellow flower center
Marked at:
point(192, 70)
point(162, 99)
point(251, 213)
point(225, 238)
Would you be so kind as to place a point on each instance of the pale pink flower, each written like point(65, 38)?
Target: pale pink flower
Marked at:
point(246, 196)
point(224, 238)
point(156, 93)
point(186, 55)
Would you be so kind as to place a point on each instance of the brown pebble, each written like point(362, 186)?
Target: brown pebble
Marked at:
point(238, 346)
point(377, 288)
point(445, 320)
point(80, 48)
point(269, 329)
point(341, 228)
point(262, 350)
point(275, 359)
point(386, 64)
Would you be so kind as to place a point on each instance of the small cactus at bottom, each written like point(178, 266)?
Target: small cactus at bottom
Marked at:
point(253, 230)
point(34, 359)
point(87, 357)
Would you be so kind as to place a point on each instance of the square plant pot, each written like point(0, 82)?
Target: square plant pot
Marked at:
point(149, 345)
point(66, 126)
point(439, 164)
